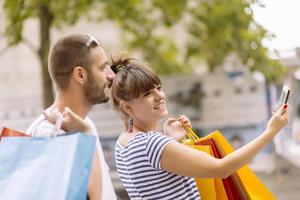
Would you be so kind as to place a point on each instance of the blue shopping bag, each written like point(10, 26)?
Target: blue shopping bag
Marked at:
point(44, 168)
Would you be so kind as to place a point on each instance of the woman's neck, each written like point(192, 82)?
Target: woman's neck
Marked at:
point(138, 128)
point(145, 127)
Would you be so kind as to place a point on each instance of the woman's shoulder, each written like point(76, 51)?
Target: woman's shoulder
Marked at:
point(139, 139)
point(143, 137)
point(151, 135)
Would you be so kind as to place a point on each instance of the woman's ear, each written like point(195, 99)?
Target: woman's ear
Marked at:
point(79, 74)
point(124, 106)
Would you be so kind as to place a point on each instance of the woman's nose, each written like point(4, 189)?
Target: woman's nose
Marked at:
point(159, 94)
point(110, 75)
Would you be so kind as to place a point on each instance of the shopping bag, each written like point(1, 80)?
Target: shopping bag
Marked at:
point(209, 188)
point(232, 184)
point(46, 168)
point(206, 186)
point(250, 183)
point(7, 132)
point(213, 188)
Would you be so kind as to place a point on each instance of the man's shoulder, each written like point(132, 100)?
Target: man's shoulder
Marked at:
point(40, 127)
point(92, 125)
point(88, 120)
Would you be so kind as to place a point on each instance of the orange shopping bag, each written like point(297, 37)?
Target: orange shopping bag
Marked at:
point(206, 186)
point(7, 132)
point(245, 179)
point(209, 188)
point(217, 188)
point(231, 184)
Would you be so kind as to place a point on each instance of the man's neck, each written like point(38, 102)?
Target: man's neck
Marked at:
point(76, 102)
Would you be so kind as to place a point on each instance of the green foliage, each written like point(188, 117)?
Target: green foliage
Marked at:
point(17, 12)
point(68, 12)
point(218, 28)
point(171, 11)
point(214, 29)
point(144, 31)
point(63, 12)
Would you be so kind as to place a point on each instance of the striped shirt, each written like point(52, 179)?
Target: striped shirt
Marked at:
point(139, 167)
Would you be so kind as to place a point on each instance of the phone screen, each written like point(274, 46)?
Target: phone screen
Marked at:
point(284, 97)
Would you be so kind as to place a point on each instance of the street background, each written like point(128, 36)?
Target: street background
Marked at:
point(236, 97)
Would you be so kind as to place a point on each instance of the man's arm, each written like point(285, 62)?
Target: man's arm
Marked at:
point(95, 181)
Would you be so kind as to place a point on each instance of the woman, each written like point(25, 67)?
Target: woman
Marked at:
point(150, 161)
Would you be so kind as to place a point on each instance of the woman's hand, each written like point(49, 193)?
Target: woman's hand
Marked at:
point(70, 120)
point(175, 127)
point(279, 119)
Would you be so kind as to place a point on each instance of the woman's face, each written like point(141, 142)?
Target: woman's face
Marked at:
point(150, 107)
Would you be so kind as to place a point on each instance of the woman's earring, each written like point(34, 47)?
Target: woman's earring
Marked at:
point(130, 125)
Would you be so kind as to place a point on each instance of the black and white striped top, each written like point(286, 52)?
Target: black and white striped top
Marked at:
point(140, 170)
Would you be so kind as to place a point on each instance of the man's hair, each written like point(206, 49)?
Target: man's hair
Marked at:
point(66, 54)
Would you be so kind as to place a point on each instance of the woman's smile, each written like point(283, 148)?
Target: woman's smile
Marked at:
point(160, 106)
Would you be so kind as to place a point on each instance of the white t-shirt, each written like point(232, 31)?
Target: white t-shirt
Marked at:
point(41, 127)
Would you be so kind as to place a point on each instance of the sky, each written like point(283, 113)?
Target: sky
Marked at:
point(281, 17)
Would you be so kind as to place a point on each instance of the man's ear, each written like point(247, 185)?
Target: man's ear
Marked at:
point(124, 106)
point(79, 74)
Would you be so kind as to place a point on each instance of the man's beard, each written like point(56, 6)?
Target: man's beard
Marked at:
point(95, 94)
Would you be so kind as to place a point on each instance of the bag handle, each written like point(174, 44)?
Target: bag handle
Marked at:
point(190, 134)
point(58, 123)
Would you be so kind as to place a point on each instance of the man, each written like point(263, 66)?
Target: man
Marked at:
point(78, 67)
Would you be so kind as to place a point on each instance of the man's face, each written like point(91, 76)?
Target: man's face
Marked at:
point(100, 78)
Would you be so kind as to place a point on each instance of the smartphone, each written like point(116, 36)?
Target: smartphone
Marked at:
point(284, 97)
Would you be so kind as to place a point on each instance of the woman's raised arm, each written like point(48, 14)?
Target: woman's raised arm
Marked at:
point(185, 161)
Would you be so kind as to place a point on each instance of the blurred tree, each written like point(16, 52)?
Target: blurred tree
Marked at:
point(212, 29)
point(49, 13)
point(218, 28)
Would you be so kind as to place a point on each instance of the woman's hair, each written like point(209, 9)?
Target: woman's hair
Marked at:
point(133, 79)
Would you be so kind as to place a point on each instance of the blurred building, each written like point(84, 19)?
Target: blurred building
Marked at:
point(288, 143)
point(232, 99)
